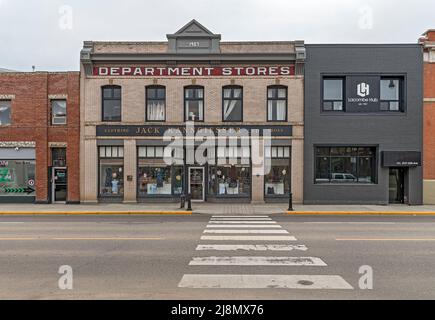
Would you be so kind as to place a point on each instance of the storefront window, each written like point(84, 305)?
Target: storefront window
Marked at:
point(17, 178)
point(111, 171)
point(155, 177)
point(230, 181)
point(277, 182)
point(345, 165)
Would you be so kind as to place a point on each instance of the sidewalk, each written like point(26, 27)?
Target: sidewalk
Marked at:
point(208, 208)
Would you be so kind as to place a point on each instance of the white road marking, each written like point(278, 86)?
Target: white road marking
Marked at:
point(242, 222)
point(249, 238)
point(244, 226)
point(241, 219)
point(241, 216)
point(247, 231)
point(11, 222)
point(258, 261)
point(204, 281)
point(246, 247)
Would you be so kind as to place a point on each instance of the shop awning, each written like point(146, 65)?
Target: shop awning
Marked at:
point(401, 159)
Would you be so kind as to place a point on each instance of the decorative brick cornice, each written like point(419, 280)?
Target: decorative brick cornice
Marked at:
point(7, 96)
point(57, 96)
point(17, 144)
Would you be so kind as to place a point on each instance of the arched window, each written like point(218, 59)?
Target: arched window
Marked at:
point(232, 104)
point(111, 108)
point(156, 103)
point(277, 103)
point(194, 103)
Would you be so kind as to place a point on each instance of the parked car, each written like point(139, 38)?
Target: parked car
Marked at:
point(343, 177)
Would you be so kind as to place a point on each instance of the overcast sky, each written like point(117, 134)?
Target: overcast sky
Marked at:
point(49, 33)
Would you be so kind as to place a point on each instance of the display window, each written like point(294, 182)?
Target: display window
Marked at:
point(111, 171)
point(155, 177)
point(277, 181)
point(17, 178)
point(233, 181)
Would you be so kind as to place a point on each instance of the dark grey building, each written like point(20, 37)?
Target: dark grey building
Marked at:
point(363, 124)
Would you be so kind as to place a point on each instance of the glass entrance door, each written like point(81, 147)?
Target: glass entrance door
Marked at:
point(196, 184)
point(59, 186)
point(397, 186)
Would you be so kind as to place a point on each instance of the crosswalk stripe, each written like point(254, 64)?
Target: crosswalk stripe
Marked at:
point(241, 216)
point(244, 226)
point(241, 219)
point(205, 281)
point(246, 247)
point(242, 222)
point(247, 231)
point(249, 238)
point(258, 261)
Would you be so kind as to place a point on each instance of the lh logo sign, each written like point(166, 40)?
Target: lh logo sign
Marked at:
point(363, 90)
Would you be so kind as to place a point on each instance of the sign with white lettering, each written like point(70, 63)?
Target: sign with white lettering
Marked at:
point(363, 94)
point(140, 71)
point(401, 159)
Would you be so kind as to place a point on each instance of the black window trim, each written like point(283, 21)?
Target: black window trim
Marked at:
point(154, 86)
point(112, 98)
point(401, 93)
point(232, 87)
point(190, 87)
point(330, 146)
point(343, 94)
point(277, 86)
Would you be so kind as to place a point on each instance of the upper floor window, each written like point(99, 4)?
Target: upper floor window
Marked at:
point(232, 104)
point(111, 103)
point(391, 94)
point(5, 112)
point(277, 103)
point(194, 103)
point(58, 112)
point(156, 103)
point(333, 94)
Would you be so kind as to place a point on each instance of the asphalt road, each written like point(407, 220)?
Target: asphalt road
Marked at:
point(165, 257)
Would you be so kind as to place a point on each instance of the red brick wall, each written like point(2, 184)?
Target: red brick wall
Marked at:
point(31, 122)
point(429, 122)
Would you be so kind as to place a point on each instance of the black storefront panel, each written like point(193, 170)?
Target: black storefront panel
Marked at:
point(403, 159)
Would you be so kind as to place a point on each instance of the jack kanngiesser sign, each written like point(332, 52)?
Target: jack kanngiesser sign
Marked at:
point(137, 71)
point(160, 130)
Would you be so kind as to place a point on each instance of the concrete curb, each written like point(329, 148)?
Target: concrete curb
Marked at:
point(95, 213)
point(390, 213)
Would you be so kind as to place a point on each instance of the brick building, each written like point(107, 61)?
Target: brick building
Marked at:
point(39, 137)
point(132, 93)
point(428, 42)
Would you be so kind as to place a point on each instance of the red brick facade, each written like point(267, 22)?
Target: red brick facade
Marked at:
point(31, 121)
point(429, 105)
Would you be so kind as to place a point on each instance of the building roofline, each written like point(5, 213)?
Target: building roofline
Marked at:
point(38, 72)
point(427, 31)
point(166, 42)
